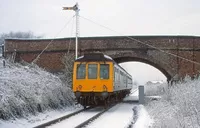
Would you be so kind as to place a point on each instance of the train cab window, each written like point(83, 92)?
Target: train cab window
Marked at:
point(104, 71)
point(80, 74)
point(92, 71)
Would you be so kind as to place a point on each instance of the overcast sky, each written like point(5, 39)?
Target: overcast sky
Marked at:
point(128, 17)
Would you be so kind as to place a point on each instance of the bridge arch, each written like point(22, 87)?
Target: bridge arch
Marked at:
point(146, 61)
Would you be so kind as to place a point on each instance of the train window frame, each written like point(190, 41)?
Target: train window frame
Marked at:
point(77, 71)
point(88, 72)
point(108, 73)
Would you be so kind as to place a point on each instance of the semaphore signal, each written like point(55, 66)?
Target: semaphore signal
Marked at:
point(76, 9)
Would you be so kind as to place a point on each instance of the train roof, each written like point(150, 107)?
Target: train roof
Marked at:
point(94, 57)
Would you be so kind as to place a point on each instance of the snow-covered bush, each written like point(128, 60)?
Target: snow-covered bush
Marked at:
point(30, 89)
point(154, 89)
point(179, 106)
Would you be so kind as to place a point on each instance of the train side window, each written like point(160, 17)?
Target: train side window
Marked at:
point(118, 75)
point(121, 76)
point(92, 71)
point(80, 72)
point(130, 81)
point(115, 74)
point(124, 78)
point(104, 71)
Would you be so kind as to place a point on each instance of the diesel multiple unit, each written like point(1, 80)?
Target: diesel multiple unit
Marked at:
point(97, 79)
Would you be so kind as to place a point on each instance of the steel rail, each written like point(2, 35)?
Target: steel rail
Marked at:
point(60, 119)
point(93, 118)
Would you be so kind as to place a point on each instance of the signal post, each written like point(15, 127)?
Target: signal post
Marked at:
point(76, 9)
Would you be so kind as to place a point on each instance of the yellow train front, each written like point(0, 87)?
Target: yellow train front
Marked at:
point(98, 80)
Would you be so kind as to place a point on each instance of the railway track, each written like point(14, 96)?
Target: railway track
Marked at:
point(60, 119)
point(73, 115)
point(93, 118)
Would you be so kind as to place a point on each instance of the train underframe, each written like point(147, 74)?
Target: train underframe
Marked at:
point(100, 98)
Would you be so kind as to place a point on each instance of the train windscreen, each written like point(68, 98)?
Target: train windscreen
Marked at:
point(104, 71)
point(80, 74)
point(92, 71)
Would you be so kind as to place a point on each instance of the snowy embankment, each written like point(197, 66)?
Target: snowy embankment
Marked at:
point(178, 107)
point(26, 90)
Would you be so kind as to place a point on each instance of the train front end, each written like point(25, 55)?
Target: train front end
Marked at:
point(92, 79)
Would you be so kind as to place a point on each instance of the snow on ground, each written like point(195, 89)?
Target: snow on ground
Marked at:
point(77, 119)
point(143, 120)
point(32, 121)
point(120, 116)
point(117, 117)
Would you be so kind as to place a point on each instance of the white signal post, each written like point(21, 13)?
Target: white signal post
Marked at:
point(76, 9)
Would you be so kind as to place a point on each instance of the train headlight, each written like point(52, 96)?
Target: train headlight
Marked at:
point(77, 94)
point(104, 94)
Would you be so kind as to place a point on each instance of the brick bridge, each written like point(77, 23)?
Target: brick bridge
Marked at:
point(121, 48)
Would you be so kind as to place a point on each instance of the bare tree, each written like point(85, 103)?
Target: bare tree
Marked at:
point(68, 61)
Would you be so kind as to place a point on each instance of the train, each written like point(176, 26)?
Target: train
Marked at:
point(99, 80)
